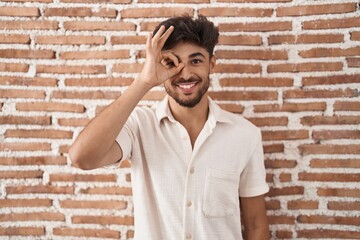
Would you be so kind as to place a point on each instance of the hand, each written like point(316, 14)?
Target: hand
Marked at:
point(156, 70)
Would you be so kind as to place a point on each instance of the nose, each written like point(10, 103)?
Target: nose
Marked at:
point(186, 73)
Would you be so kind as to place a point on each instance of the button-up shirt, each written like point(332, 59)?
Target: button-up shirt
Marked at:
point(185, 192)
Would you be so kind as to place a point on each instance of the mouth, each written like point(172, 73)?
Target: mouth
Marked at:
point(187, 87)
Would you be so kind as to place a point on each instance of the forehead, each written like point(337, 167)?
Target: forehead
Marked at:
point(185, 50)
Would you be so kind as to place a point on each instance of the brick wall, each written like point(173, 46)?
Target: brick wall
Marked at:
point(292, 67)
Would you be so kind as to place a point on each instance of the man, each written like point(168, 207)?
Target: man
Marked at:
point(190, 160)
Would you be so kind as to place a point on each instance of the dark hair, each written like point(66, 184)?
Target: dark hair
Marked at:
point(198, 31)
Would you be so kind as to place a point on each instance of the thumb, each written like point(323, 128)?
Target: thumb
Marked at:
point(175, 70)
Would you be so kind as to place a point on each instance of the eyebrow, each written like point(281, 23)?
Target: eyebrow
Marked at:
point(196, 54)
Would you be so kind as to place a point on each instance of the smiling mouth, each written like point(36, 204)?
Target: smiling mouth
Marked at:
point(187, 87)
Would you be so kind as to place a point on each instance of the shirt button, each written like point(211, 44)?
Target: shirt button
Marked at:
point(192, 170)
point(188, 236)
point(189, 203)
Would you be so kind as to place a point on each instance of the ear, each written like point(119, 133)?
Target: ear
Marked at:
point(212, 63)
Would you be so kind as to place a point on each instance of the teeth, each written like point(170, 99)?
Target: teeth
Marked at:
point(186, 86)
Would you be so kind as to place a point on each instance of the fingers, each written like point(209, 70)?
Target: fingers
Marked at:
point(165, 36)
point(169, 60)
point(175, 70)
point(161, 36)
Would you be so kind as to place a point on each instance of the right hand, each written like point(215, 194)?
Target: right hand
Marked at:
point(155, 70)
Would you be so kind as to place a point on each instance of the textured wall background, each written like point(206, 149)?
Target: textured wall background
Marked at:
point(292, 67)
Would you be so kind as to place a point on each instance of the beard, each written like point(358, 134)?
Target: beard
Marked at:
point(190, 102)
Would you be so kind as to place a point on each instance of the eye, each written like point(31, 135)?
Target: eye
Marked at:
point(170, 64)
point(196, 61)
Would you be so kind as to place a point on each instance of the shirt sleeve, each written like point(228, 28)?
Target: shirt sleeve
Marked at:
point(253, 178)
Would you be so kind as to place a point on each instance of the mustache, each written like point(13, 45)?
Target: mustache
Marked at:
point(191, 79)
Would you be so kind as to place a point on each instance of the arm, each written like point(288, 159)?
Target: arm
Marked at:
point(96, 146)
point(255, 220)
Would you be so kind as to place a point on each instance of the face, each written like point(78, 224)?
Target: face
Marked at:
point(189, 86)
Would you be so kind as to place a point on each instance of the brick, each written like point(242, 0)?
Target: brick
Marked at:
point(28, 146)
point(270, 178)
point(40, 1)
point(237, 68)
point(336, 120)
point(15, 38)
point(14, 67)
point(305, 39)
point(108, 191)
point(256, 27)
point(43, 160)
point(278, 163)
point(78, 122)
point(32, 216)
point(355, 36)
point(305, 67)
point(102, 204)
point(234, 108)
point(22, 231)
point(95, 1)
point(329, 149)
point(302, 204)
point(116, 54)
point(285, 135)
point(70, 40)
point(98, 26)
point(105, 12)
point(335, 134)
point(285, 177)
point(30, 54)
point(331, 80)
point(269, 121)
point(294, 190)
point(39, 189)
point(174, 1)
point(274, 148)
point(327, 233)
point(329, 52)
point(273, 220)
point(329, 177)
point(24, 203)
point(335, 163)
point(85, 232)
point(252, 54)
point(50, 107)
point(255, 1)
point(64, 149)
point(20, 174)
point(315, 9)
point(328, 220)
point(85, 95)
point(61, 69)
point(154, 95)
point(130, 234)
point(29, 25)
point(246, 40)
point(155, 12)
point(346, 93)
point(344, 206)
point(103, 220)
point(332, 23)
point(273, 205)
point(148, 26)
point(338, 192)
point(346, 106)
point(22, 81)
point(20, 120)
point(19, 11)
point(14, 93)
point(24, 133)
point(256, 82)
point(353, 62)
point(244, 95)
point(128, 40)
point(68, 12)
point(127, 67)
point(97, 82)
point(283, 234)
point(128, 177)
point(66, 177)
point(235, 12)
point(291, 107)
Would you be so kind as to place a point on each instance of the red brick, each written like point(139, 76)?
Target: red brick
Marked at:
point(321, 93)
point(256, 27)
point(155, 12)
point(41, 1)
point(246, 40)
point(291, 107)
point(302, 204)
point(283, 234)
point(28, 146)
point(329, 149)
point(98, 26)
point(285, 177)
point(344, 206)
point(269, 121)
point(329, 177)
point(128, 40)
point(20, 174)
point(305, 67)
point(234, 108)
point(355, 36)
point(127, 67)
point(332, 23)
point(294, 190)
point(305, 39)
point(23, 81)
point(327, 233)
point(25, 203)
point(353, 62)
point(329, 52)
point(50, 107)
point(19, 11)
point(29, 25)
point(15, 93)
point(103, 220)
point(68, 12)
point(101, 204)
point(329, 220)
point(14, 67)
point(43, 160)
point(346, 106)
point(69, 40)
point(67, 177)
point(15, 38)
point(154, 95)
point(255, 1)
point(335, 163)
point(256, 82)
point(32, 216)
point(285, 135)
point(331, 80)
point(61, 69)
point(130, 234)
point(338, 192)
point(22, 231)
point(19, 120)
point(116, 54)
point(95, 1)
point(336, 120)
point(148, 26)
point(85, 232)
point(237, 68)
point(108, 191)
point(273, 205)
point(274, 148)
point(97, 82)
point(335, 134)
point(252, 54)
point(235, 12)
point(24, 133)
point(244, 95)
point(85, 95)
point(316, 9)
point(39, 189)
point(277, 163)
point(273, 220)
point(77, 122)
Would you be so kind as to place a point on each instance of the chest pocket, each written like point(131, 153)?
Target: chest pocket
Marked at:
point(221, 197)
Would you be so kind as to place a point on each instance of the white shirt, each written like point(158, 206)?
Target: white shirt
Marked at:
point(185, 193)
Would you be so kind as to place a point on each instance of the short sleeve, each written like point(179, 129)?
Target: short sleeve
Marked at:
point(253, 178)
point(126, 138)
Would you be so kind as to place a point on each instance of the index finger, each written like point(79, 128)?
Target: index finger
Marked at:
point(165, 36)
